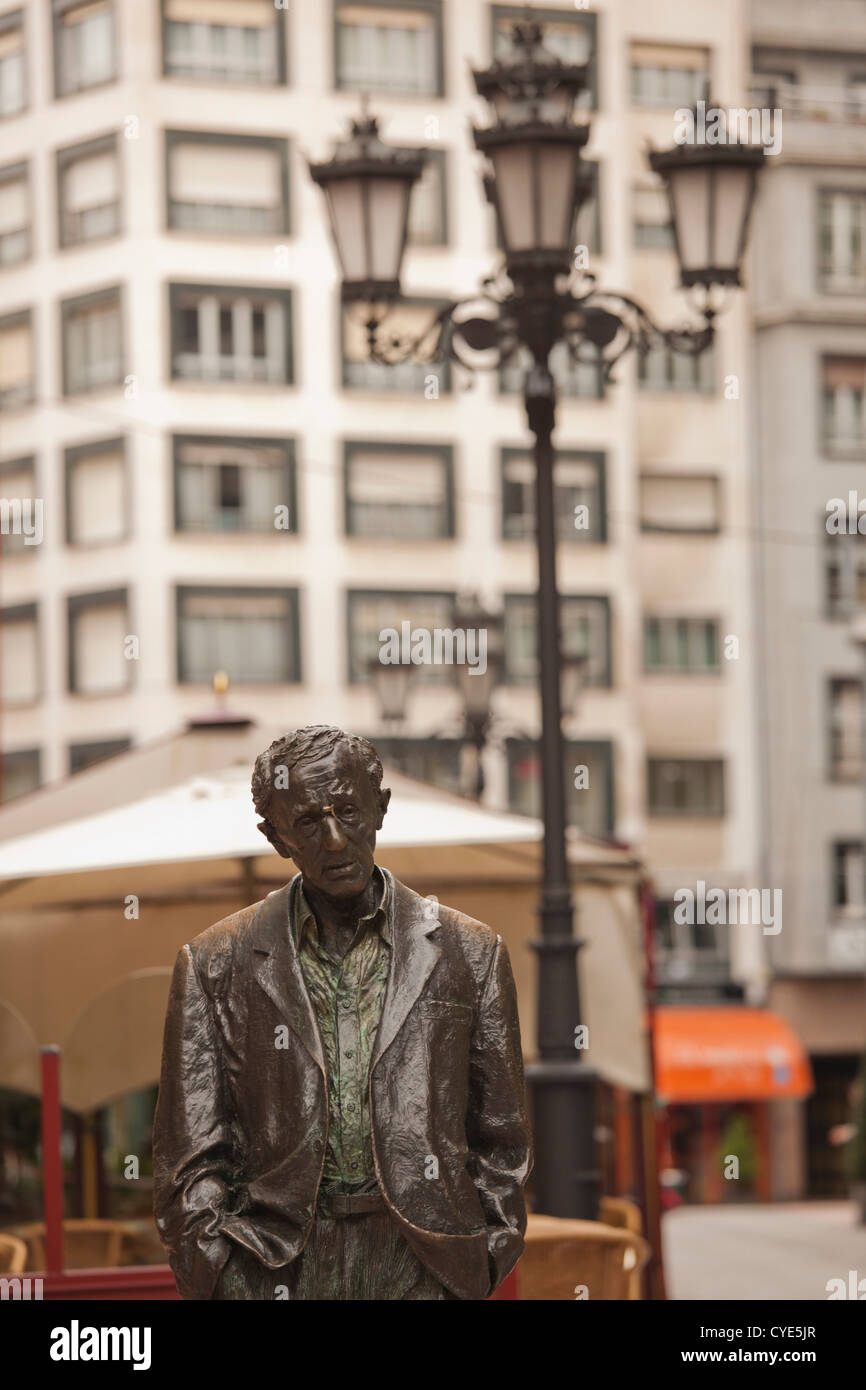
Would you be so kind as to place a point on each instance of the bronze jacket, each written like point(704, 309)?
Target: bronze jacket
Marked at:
point(241, 1121)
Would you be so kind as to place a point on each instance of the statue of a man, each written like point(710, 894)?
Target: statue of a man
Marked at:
point(341, 1108)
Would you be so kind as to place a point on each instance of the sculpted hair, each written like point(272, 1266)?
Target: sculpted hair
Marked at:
point(303, 746)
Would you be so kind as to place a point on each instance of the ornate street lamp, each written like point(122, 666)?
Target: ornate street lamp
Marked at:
point(537, 182)
point(476, 683)
point(390, 681)
point(368, 186)
point(711, 189)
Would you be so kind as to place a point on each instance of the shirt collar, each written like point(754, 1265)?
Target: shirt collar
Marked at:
point(305, 924)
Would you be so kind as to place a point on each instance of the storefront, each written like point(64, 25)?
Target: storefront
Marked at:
point(719, 1072)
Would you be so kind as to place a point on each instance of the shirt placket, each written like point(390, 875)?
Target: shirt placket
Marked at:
point(350, 1066)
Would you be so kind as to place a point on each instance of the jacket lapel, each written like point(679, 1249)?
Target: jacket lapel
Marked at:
point(414, 958)
point(278, 970)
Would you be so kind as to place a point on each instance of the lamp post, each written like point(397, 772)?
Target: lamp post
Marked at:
point(536, 180)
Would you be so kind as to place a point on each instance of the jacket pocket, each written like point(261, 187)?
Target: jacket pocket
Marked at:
point(446, 1008)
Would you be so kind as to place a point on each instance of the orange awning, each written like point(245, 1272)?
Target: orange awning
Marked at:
point(714, 1054)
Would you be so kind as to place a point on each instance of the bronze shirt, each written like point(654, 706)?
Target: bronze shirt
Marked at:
point(347, 996)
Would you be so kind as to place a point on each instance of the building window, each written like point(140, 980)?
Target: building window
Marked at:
point(251, 634)
point(399, 491)
point(652, 217)
point(92, 342)
point(688, 952)
point(98, 625)
point(669, 75)
point(436, 761)
point(97, 505)
point(679, 503)
point(579, 495)
point(13, 73)
point(238, 41)
point(235, 185)
point(842, 241)
point(231, 333)
point(17, 386)
point(844, 574)
point(681, 644)
point(369, 612)
point(686, 787)
point(846, 730)
point(389, 47)
point(234, 484)
point(844, 388)
point(82, 755)
point(84, 45)
point(849, 878)
point(589, 783)
point(88, 184)
point(18, 514)
point(20, 773)
point(576, 379)
point(585, 632)
point(15, 242)
point(428, 209)
point(408, 321)
point(20, 666)
point(662, 369)
point(572, 37)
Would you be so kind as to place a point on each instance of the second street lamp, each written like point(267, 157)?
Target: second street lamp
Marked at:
point(537, 182)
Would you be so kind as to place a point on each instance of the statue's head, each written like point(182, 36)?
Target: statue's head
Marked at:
point(320, 796)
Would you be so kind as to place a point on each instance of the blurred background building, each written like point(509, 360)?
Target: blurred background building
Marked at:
point(230, 484)
point(808, 286)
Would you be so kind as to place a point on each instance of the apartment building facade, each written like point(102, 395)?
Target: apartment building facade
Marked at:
point(809, 295)
point(229, 484)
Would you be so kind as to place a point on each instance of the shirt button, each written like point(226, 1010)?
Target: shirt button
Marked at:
point(353, 1165)
point(348, 1052)
point(350, 1107)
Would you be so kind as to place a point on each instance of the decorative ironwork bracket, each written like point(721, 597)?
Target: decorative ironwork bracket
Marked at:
point(484, 331)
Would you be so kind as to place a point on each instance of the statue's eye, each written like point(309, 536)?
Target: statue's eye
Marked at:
point(307, 822)
point(348, 812)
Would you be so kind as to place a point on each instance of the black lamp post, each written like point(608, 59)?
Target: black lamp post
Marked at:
point(537, 182)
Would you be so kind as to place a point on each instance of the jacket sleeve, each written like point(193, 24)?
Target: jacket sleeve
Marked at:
point(193, 1159)
point(497, 1129)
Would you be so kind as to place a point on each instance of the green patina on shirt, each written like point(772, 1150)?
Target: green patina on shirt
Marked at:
point(347, 996)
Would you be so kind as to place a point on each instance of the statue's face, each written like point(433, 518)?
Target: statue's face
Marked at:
point(326, 820)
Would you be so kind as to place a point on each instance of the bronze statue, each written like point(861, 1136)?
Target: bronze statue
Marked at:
point(341, 1107)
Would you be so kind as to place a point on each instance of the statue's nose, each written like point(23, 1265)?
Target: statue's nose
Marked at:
point(333, 833)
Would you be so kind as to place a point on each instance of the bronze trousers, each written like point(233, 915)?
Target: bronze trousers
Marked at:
point(361, 1257)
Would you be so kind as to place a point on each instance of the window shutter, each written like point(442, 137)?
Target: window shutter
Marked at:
point(681, 502)
point(233, 14)
point(16, 367)
point(225, 174)
point(90, 182)
point(19, 661)
point(14, 209)
point(99, 660)
point(380, 478)
point(97, 499)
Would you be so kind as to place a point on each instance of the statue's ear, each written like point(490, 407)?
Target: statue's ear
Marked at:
point(384, 800)
point(273, 838)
